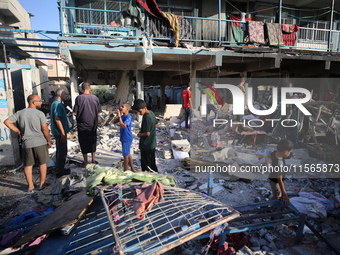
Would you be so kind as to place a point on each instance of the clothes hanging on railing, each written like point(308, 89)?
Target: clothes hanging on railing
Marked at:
point(185, 28)
point(173, 21)
point(288, 29)
point(161, 29)
point(236, 29)
point(289, 34)
point(135, 12)
point(254, 32)
point(273, 34)
point(151, 7)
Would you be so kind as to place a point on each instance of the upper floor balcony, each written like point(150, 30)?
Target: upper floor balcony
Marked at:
point(116, 21)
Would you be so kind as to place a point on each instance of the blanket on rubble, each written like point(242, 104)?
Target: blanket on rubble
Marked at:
point(97, 175)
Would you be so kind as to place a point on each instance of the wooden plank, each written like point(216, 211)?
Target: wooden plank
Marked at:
point(68, 213)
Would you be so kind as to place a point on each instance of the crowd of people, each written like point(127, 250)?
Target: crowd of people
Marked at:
point(31, 126)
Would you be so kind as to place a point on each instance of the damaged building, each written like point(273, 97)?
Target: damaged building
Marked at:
point(211, 193)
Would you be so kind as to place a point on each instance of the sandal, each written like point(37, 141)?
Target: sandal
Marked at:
point(30, 191)
point(44, 186)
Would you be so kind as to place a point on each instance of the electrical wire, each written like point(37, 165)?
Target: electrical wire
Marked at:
point(295, 9)
point(233, 6)
point(307, 17)
point(263, 10)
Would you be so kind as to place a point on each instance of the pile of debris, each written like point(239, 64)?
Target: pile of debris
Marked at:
point(192, 158)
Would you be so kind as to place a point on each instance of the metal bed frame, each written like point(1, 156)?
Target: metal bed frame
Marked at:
point(182, 216)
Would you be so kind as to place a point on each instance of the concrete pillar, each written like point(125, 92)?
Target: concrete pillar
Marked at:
point(139, 84)
point(195, 93)
point(27, 84)
point(45, 88)
point(162, 106)
point(73, 86)
point(36, 86)
point(9, 146)
point(324, 87)
point(139, 88)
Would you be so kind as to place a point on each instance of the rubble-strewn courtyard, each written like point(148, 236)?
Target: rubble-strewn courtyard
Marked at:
point(185, 155)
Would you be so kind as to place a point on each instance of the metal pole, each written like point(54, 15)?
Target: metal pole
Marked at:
point(330, 27)
point(61, 15)
point(280, 9)
point(219, 22)
point(7, 72)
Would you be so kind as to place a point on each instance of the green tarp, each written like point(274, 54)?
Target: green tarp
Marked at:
point(98, 175)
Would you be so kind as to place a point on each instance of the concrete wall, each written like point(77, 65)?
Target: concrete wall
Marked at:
point(14, 14)
point(58, 69)
point(209, 27)
point(44, 83)
point(9, 147)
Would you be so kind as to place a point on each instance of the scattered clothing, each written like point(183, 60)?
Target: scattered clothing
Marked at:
point(29, 215)
point(114, 201)
point(147, 196)
point(9, 239)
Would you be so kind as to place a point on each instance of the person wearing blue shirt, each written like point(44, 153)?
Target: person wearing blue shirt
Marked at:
point(59, 129)
point(124, 119)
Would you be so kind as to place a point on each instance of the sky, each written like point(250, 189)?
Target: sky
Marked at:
point(46, 15)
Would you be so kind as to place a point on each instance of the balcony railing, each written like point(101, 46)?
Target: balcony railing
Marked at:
point(85, 23)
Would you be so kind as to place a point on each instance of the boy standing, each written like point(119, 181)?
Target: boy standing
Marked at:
point(125, 120)
point(147, 135)
point(284, 149)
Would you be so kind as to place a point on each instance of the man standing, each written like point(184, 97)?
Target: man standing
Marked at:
point(211, 104)
point(60, 128)
point(86, 109)
point(147, 135)
point(125, 120)
point(187, 104)
point(33, 129)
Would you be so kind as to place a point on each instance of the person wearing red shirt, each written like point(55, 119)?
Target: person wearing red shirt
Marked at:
point(187, 104)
